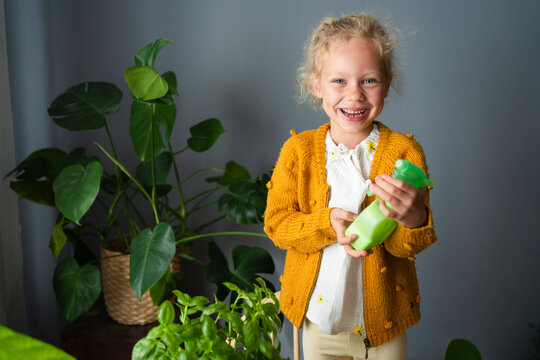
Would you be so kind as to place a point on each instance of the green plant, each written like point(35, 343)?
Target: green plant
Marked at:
point(246, 329)
point(462, 349)
point(96, 204)
point(17, 346)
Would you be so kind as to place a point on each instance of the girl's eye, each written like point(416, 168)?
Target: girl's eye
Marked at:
point(369, 81)
point(339, 81)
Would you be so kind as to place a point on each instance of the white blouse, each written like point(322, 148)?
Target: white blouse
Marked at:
point(336, 303)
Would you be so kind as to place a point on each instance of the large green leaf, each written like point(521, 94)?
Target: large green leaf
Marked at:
point(462, 349)
point(244, 204)
point(248, 263)
point(163, 163)
point(170, 77)
point(147, 55)
point(76, 288)
point(145, 82)
point(40, 192)
point(84, 106)
point(143, 117)
point(151, 253)
point(76, 188)
point(205, 134)
point(17, 346)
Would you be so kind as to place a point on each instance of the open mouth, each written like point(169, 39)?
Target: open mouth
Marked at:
point(354, 113)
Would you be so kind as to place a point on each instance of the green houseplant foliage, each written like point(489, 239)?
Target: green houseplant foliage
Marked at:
point(96, 204)
point(242, 330)
point(462, 349)
point(17, 346)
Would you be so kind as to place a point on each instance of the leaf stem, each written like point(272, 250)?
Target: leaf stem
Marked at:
point(178, 184)
point(223, 233)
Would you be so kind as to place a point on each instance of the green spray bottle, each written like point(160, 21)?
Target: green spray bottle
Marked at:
point(371, 227)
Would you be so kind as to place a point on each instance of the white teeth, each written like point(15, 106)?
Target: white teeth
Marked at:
point(354, 113)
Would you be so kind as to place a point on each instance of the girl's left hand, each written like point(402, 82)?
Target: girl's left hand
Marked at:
point(408, 202)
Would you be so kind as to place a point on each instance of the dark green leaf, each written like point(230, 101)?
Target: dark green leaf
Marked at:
point(18, 346)
point(205, 134)
point(143, 117)
point(76, 288)
point(84, 106)
point(145, 82)
point(151, 253)
point(170, 78)
point(163, 164)
point(58, 240)
point(462, 349)
point(163, 289)
point(235, 173)
point(81, 251)
point(76, 156)
point(244, 204)
point(76, 188)
point(147, 55)
point(39, 164)
point(40, 192)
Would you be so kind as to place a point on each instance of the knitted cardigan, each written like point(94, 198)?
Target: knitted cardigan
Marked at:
point(297, 219)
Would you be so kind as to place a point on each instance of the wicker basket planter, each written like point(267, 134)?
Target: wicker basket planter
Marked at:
point(120, 301)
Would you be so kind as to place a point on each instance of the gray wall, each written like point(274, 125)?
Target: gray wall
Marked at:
point(471, 83)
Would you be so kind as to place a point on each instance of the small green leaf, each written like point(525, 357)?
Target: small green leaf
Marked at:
point(58, 240)
point(149, 349)
point(165, 314)
point(76, 188)
point(147, 55)
point(145, 82)
point(76, 288)
point(151, 253)
point(84, 106)
point(205, 134)
point(18, 346)
point(252, 335)
point(462, 349)
point(234, 173)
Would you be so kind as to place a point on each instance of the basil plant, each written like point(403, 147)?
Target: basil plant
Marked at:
point(96, 204)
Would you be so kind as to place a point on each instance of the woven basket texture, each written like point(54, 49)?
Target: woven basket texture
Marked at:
point(120, 301)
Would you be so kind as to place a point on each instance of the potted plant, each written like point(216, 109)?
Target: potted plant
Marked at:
point(247, 329)
point(94, 203)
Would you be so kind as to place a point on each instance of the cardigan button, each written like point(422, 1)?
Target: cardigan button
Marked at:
point(312, 202)
point(383, 270)
point(418, 299)
point(398, 288)
point(410, 136)
point(290, 165)
point(411, 258)
point(293, 132)
point(407, 246)
point(388, 325)
point(269, 185)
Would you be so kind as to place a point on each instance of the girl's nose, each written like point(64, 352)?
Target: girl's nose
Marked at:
point(356, 93)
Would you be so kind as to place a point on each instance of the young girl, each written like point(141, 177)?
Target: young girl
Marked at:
point(352, 304)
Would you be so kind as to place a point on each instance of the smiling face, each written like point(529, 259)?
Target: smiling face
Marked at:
point(352, 86)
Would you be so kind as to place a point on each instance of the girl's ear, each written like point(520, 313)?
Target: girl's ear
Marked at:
point(315, 86)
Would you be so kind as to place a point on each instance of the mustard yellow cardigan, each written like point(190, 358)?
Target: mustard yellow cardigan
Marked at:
point(297, 220)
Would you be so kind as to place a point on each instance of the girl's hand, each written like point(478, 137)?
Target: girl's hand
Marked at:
point(408, 202)
point(340, 220)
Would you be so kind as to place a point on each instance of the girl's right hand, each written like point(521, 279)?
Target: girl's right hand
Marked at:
point(341, 219)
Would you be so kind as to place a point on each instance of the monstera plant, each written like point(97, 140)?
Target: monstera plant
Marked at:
point(96, 204)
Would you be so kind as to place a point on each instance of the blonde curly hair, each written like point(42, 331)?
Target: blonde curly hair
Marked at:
point(342, 28)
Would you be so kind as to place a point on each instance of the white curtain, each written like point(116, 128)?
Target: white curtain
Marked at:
point(12, 304)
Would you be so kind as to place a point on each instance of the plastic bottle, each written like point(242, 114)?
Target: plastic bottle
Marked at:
point(371, 226)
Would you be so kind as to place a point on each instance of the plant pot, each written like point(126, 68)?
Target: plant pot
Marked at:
point(120, 301)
